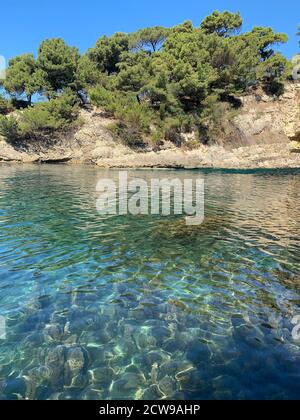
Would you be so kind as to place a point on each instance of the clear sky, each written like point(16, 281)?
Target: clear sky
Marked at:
point(24, 24)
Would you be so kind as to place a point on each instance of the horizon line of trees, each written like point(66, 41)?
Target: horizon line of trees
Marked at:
point(158, 82)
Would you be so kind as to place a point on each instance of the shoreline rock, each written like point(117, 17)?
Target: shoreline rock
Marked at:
point(266, 136)
point(270, 156)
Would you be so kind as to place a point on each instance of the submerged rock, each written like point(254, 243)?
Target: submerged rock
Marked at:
point(75, 366)
point(167, 386)
point(56, 357)
point(133, 369)
point(172, 345)
point(107, 333)
point(52, 333)
point(161, 334)
point(41, 374)
point(179, 230)
point(90, 394)
point(14, 388)
point(144, 341)
point(79, 381)
point(76, 359)
point(223, 395)
point(127, 347)
point(127, 385)
point(32, 306)
point(153, 393)
point(53, 369)
point(184, 372)
point(98, 355)
point(33, 340)
point(36, 378)
point(174, 368)
point(250, 335)
point(157, 356)
point(225, 383)
point(65, 396)
point(192, 381)
point(102, 376)
point(198, 353)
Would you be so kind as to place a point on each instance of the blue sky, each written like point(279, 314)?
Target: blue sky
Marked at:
point(24, 24)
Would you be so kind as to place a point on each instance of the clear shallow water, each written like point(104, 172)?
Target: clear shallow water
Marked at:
point(142, 307)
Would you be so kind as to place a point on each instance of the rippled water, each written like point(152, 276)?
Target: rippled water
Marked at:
point(143, 307)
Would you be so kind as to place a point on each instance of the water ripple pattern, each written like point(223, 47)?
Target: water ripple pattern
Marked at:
point(144, 307)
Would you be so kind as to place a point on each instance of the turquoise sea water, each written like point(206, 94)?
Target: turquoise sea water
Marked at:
point(141, 307)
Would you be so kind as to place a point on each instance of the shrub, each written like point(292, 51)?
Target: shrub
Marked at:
point(64, 109)
point(214, 119)
point(134, 119)
point(131, 136)
point(9, 128)
point(47, 117)
point(137, 116)
point(157, 136)
point(192, 144)
point(104, 98)
point(37, 119)
point(5, 106)
point(44, 118)
point(173, 131)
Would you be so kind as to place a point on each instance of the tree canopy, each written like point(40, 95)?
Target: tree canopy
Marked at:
point(151, 39)
point(108, 51)
point(223, 24)
point(57, 63)
point(22, 77)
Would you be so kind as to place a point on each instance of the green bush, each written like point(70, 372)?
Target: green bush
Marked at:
point(135, 115)
point(9, 128)
point(174, 127)
point(5, 106)
point(129, 135)
point(37, 119)
point(173, 131)
point(103, 98)
point(157, 135)
point(47, 117)
point(135, 119)
point(44, 118)
point(192, 144)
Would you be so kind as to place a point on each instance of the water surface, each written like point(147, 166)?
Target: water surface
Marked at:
point(140, 307)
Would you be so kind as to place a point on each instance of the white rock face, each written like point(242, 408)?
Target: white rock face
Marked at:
point(267, 120)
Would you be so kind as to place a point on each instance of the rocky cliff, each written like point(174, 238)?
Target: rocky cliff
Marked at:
point(265, 133)
point(265, 119)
